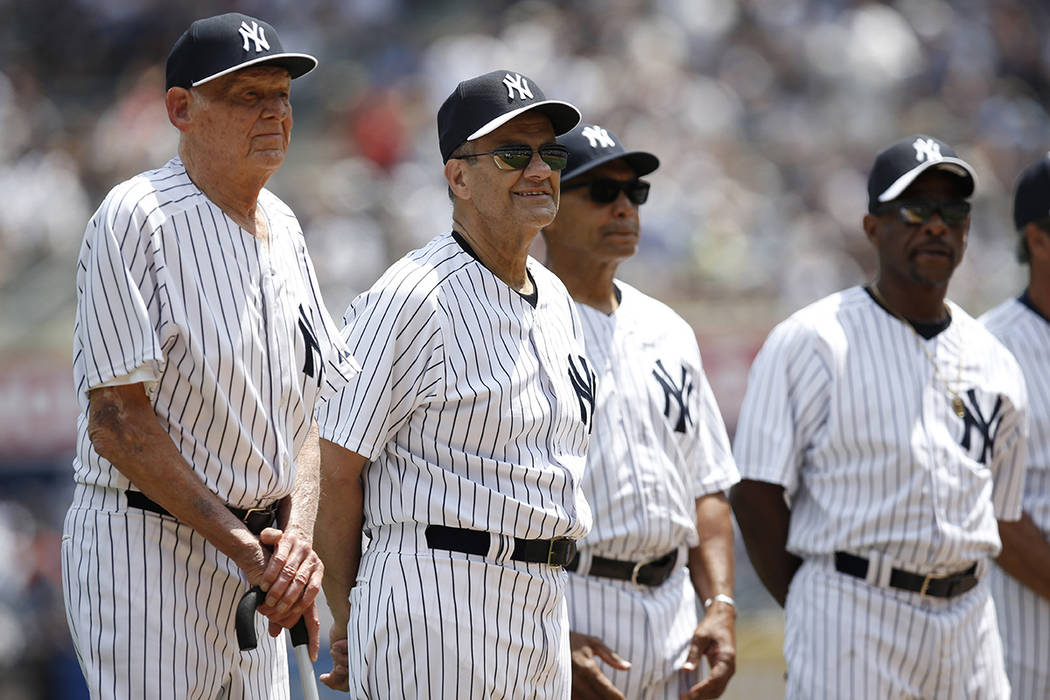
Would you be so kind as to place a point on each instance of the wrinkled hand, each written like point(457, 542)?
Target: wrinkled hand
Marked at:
point(715, 639)
point(588, 681)
point(291, 581)
point(339, 677)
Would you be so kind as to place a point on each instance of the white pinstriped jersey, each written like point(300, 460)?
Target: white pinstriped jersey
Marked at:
point(843, 409)
point(235, 346)
point(659, 442)
point(473, 406)
point(1024, 615)
point(232, 333)
point(1026, 334)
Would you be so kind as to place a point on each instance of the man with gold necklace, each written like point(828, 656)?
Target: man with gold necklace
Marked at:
point(1021, 582)
point(881, 439)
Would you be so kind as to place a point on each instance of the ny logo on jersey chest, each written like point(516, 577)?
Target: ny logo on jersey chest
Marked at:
point(678, 393)
point(584, 383)
point(986, 428)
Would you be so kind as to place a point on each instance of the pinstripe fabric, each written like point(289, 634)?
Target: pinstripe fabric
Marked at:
point(433, 624)
point(151, 604)
point(1027, 336)
point(465, 405)
point(1024, 625)
point(847, 639)
point(643, 473)
point(842, 410)
point(658, 444)
point(166, 281)
point(1024, 617)
point(650, 627)
point(468, 412)
point(236, 347)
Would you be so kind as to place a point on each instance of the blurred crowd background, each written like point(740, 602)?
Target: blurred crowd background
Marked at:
point(766, 115)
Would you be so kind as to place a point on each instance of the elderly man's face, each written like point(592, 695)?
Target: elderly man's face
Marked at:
point(244, 119)
point(510, 198)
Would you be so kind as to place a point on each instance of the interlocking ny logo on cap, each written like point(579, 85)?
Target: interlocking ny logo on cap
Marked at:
point(517, 83)
point(254, 33)
point(597, 136)
point(927, 149)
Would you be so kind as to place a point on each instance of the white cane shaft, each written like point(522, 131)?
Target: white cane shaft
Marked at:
point(306, 672)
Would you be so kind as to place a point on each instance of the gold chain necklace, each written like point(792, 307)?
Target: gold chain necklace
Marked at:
point(957, 403)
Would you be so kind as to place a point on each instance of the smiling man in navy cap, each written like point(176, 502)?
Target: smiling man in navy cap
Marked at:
point(200, 350)
point(460, 448)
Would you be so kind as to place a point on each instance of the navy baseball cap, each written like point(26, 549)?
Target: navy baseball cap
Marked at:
point(591, 145)
point(897, 166)
point(481, 105)
point(215, 46)
point(1032, 194)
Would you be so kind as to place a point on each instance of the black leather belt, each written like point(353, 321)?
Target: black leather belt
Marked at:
point(646, 573)
point(556, 552)
point(257, 519)
point(938, 586)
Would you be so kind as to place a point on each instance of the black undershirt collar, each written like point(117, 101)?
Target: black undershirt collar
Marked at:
point(926, 330)
point(533, 299)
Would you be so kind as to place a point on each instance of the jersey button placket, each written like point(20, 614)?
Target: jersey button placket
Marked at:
point(932, 414)
point(269, 303)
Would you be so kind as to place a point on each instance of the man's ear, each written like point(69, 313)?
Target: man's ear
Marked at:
point(1038, 242)
point(871, 230)
point(455, 175)
point(177, 100)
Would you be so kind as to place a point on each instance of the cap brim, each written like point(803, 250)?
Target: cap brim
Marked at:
point(955, 166)
point(563, 117)
point(641, 162)
point(297, 65)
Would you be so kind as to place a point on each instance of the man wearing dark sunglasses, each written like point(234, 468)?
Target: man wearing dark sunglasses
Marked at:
point(1021, 583)
point(881, 445)
point(460, 449)
point(659, 460)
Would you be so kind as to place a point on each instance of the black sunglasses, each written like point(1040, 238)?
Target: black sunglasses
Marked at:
point(518, 156)
point(605, 190)
point(953, 211)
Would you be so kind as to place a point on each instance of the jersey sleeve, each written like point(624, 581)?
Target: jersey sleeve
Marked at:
point(118, 316)
point(395, 331)
point(1010, 455)
point(785, 404)
point(715, 467)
